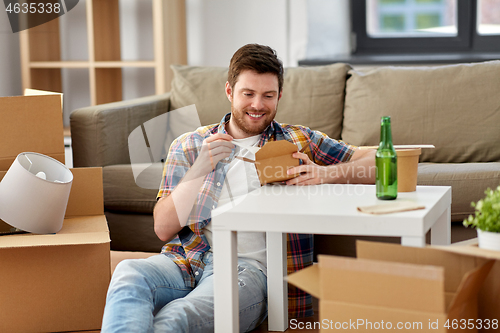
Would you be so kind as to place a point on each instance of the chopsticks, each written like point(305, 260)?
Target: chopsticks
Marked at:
point(300, 151)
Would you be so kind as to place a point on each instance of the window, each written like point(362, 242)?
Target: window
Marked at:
point(425, 26)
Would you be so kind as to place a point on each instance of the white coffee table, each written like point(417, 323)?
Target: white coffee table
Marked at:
point(320, 209)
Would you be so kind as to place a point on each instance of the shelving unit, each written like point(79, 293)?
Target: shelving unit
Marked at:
point(41, 61)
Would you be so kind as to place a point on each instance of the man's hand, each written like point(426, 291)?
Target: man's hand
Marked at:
point(310, 172)
point(214, 149)
point(359, 170)
point(171, 213)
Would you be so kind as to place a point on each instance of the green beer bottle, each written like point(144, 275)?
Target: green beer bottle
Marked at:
point(386, 162)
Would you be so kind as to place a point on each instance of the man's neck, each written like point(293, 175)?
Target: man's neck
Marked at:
point(236, 132)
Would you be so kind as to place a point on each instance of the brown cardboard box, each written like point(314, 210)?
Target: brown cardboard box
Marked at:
point(273, 160)
point(54, 283)
point(30, 124)
point(489, 295)
point(388, 285)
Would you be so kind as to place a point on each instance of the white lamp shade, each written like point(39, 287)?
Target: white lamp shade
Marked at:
point(31, 203)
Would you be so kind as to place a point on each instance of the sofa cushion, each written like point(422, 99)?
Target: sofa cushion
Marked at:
point(455, 107)
point(468, 182)
point(312, 96)
point(121, 192)
point(202, 86)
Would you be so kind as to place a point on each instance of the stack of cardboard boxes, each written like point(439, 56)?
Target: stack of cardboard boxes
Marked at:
point(55, 282)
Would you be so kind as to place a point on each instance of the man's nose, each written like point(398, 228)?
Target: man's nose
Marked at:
point(258, 103)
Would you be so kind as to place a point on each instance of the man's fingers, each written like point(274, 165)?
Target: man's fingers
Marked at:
point(299, 169)
point(220, 149)
point(303, 157)
point(300, 179)
point(219, 136)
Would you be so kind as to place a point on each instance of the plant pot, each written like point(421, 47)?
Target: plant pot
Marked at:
point(488, 240)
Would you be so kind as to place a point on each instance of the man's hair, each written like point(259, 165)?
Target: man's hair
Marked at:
point(258, 58)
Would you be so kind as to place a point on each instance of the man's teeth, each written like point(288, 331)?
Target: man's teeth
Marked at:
point(253, 115)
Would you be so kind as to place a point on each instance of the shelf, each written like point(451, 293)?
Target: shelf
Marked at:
point(117, 64)
point(59, 64)
point(96, 64)
point(43, 67)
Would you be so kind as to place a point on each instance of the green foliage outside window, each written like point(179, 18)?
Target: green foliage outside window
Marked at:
point(386, 2)
point(428, 1)
point(425, 21)
point(393, 23)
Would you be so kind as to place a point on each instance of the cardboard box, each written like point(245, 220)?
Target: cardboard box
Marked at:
point(30, 124)
point(273, 160)
point(389, 285)
point(489, 295)
point(58, 282)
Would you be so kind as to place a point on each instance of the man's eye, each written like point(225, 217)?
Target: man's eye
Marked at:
point(269, 96)
point(247, 94)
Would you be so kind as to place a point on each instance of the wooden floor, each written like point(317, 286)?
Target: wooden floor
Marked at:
point(459, 233)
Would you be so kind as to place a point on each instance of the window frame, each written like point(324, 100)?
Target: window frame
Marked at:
point(467, 38)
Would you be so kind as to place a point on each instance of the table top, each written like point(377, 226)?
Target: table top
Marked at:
point(330, 208)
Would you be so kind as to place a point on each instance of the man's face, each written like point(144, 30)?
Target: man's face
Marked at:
point(254, 101)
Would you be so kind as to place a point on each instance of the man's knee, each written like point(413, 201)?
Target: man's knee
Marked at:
point(127, 267)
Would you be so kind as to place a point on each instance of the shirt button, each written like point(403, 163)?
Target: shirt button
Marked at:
point(213, 207)
point(218, 184)
point(196, 273)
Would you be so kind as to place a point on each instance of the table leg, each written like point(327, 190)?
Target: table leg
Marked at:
point(413, 241)
point(226, 298)
point(441, 230)
point(277, 288)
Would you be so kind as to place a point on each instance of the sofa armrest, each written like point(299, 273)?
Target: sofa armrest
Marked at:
point(99, 134)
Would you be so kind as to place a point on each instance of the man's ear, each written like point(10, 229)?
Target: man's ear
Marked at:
point(229, 92)
point(281, 93)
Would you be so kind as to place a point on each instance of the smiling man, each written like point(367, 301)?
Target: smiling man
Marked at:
point(173, 291)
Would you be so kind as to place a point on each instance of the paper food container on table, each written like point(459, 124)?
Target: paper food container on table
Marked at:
point(389, 285)
point(273, 160)
point(58, 282)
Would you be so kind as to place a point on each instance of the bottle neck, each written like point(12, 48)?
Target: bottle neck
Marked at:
point(385, 135)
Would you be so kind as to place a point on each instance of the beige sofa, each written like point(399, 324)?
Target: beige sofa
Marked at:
point(455, 107)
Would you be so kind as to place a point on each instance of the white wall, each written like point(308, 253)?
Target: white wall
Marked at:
point(217, 28)
point(329, 27)
point(10, 70)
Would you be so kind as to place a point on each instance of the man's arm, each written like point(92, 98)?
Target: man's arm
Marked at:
point(360, 169)
point(171, 213)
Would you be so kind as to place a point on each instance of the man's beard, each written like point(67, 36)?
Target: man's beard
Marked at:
point(239, 118)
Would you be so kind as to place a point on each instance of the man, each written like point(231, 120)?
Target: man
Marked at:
point(174, 290)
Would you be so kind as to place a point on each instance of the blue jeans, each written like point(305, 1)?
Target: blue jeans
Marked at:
point(149, 295)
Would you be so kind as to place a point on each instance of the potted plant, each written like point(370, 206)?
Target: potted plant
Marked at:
point(487, 220)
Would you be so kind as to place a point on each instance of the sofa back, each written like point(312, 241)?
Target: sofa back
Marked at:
point(312, 96)
point(454, 107)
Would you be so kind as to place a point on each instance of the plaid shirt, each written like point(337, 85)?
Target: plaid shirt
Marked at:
point(188, 248)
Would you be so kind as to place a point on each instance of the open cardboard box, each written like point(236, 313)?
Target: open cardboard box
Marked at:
point(58, 282)
point(273, 160)
point(390, 285)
